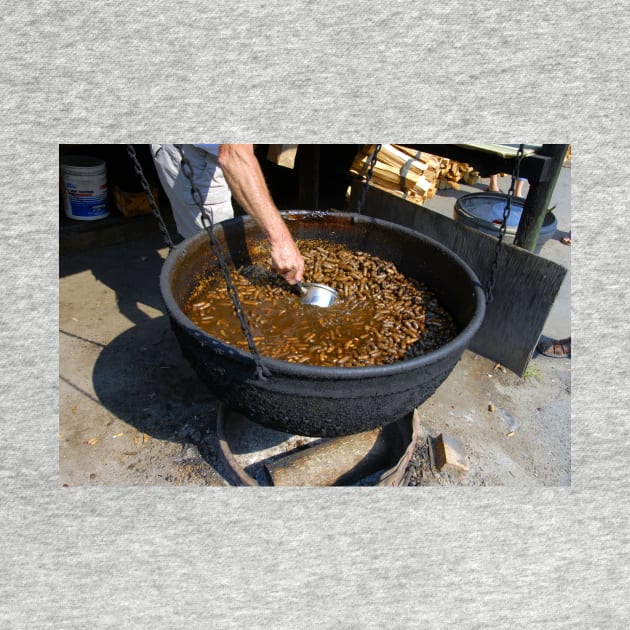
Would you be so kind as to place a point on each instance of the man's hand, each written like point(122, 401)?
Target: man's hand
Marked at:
point(287, 260)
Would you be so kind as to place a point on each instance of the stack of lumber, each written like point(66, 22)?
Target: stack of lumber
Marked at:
point(411, 174)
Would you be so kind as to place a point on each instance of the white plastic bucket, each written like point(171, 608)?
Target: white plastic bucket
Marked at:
point(84, 186)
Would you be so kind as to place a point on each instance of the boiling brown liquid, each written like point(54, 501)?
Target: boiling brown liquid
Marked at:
point(381, 316)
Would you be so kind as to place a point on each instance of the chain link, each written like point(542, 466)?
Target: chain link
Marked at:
point(371, 162)
point(207, 220)
point(503, 228)
point(147, 189)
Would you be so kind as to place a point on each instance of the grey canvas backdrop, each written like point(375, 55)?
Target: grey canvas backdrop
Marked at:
point(313, 72)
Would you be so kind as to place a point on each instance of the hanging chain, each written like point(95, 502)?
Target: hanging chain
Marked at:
point(207, 220)
point(147, 189)
point(503, 228)
point(371, 162)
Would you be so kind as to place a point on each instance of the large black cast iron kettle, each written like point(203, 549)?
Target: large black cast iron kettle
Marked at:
point(312, 400)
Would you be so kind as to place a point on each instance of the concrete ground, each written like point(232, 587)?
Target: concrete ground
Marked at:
point(132, 412)
point(526, 440)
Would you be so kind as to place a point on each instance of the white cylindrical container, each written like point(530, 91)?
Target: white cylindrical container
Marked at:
point(84, 186)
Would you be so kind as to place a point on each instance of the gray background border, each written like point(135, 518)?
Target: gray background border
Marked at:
point(313, 72)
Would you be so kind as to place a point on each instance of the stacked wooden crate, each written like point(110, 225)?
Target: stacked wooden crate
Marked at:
point(411, 174)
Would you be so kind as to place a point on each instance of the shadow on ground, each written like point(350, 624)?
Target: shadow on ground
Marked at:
point(141, 378)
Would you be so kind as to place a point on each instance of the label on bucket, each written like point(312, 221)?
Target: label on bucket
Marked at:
point(85, 192)
point(85, 197)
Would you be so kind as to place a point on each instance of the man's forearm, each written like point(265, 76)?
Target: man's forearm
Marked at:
point(246, 181)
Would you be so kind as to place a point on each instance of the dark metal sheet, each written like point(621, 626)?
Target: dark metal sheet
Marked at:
point(526, 284)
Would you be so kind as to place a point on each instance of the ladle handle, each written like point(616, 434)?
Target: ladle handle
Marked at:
point(300, 288)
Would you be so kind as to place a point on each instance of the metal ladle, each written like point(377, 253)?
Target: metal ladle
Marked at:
point(311, 293)
point(316, 294)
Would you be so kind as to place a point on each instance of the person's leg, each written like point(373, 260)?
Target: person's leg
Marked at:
point(493, 186)
point(556, 348)
point(208, 178)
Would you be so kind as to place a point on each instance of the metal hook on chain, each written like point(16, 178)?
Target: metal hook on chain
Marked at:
point(207, 221)
point(502, 230)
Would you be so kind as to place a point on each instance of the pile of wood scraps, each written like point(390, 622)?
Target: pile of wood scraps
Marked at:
point(410, 174)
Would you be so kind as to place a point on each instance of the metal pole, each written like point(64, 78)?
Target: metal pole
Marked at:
point(538, 198)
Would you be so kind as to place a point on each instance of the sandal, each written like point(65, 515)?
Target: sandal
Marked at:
point(559, 349)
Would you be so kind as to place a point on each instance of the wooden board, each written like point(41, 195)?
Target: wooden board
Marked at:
point(504, 150)
point(526, 284)
point(282, 154)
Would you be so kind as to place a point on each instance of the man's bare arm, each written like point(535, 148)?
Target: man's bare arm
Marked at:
point(247, 183)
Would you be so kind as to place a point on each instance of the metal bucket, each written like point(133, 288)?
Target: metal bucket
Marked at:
point(313, 400)
point(484, 211)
